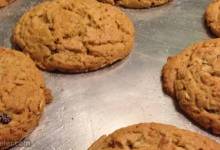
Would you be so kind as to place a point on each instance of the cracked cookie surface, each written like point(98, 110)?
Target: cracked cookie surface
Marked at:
point(4, 3)
point(212, 17)
point(192, 77)
point(136, 3)
point(74, 36)
point(154, 136)
point(22, 97)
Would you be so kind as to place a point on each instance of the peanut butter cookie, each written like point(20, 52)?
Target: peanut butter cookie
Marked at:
point(136, 3)
point(154, 136)
point(74, 35)
point(22, 97)
point(4, 3)
point(212, 17)
point(193, 78)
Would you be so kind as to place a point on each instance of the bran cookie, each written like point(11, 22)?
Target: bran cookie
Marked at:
point(74, 36)
point(212, 17)
point(22, 97)
point(192, 77)
point(154, 136)
point(136, 3)
point(4, 3)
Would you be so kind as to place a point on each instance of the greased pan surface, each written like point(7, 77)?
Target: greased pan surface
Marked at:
point(89, 105)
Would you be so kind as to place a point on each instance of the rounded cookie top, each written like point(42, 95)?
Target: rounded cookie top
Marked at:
point(136, 3)
point(193, 78)
point(22, 96)
point(212, 16)
point(74, 36)
point(4, 3)
point(153, 136)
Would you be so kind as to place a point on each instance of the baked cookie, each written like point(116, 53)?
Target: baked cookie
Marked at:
point(212, 17)
point(193, 78)
point(136, 3)
point(74, 35)
point(3, 3)
point(22, 97)
point(153, 136)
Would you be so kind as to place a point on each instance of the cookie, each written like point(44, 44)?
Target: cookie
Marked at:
point(154, 136)
point(74, 36)
point(192, 77)
point(4, 3)
point(22, 97)
point(212, 17)
point(136, 3)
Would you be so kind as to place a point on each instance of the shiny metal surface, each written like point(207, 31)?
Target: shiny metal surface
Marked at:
point(89, 105)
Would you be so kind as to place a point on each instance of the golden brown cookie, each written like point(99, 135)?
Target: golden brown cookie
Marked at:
point(22, 97)
point(193, 78)
point(136, 3)
point(74, 36)
point(212, 17)
point(154, 136)
point(3, 3)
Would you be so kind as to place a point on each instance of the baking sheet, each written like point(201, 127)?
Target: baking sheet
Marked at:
point(89, 105)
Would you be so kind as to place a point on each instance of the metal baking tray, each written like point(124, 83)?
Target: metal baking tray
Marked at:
point(89, 105)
